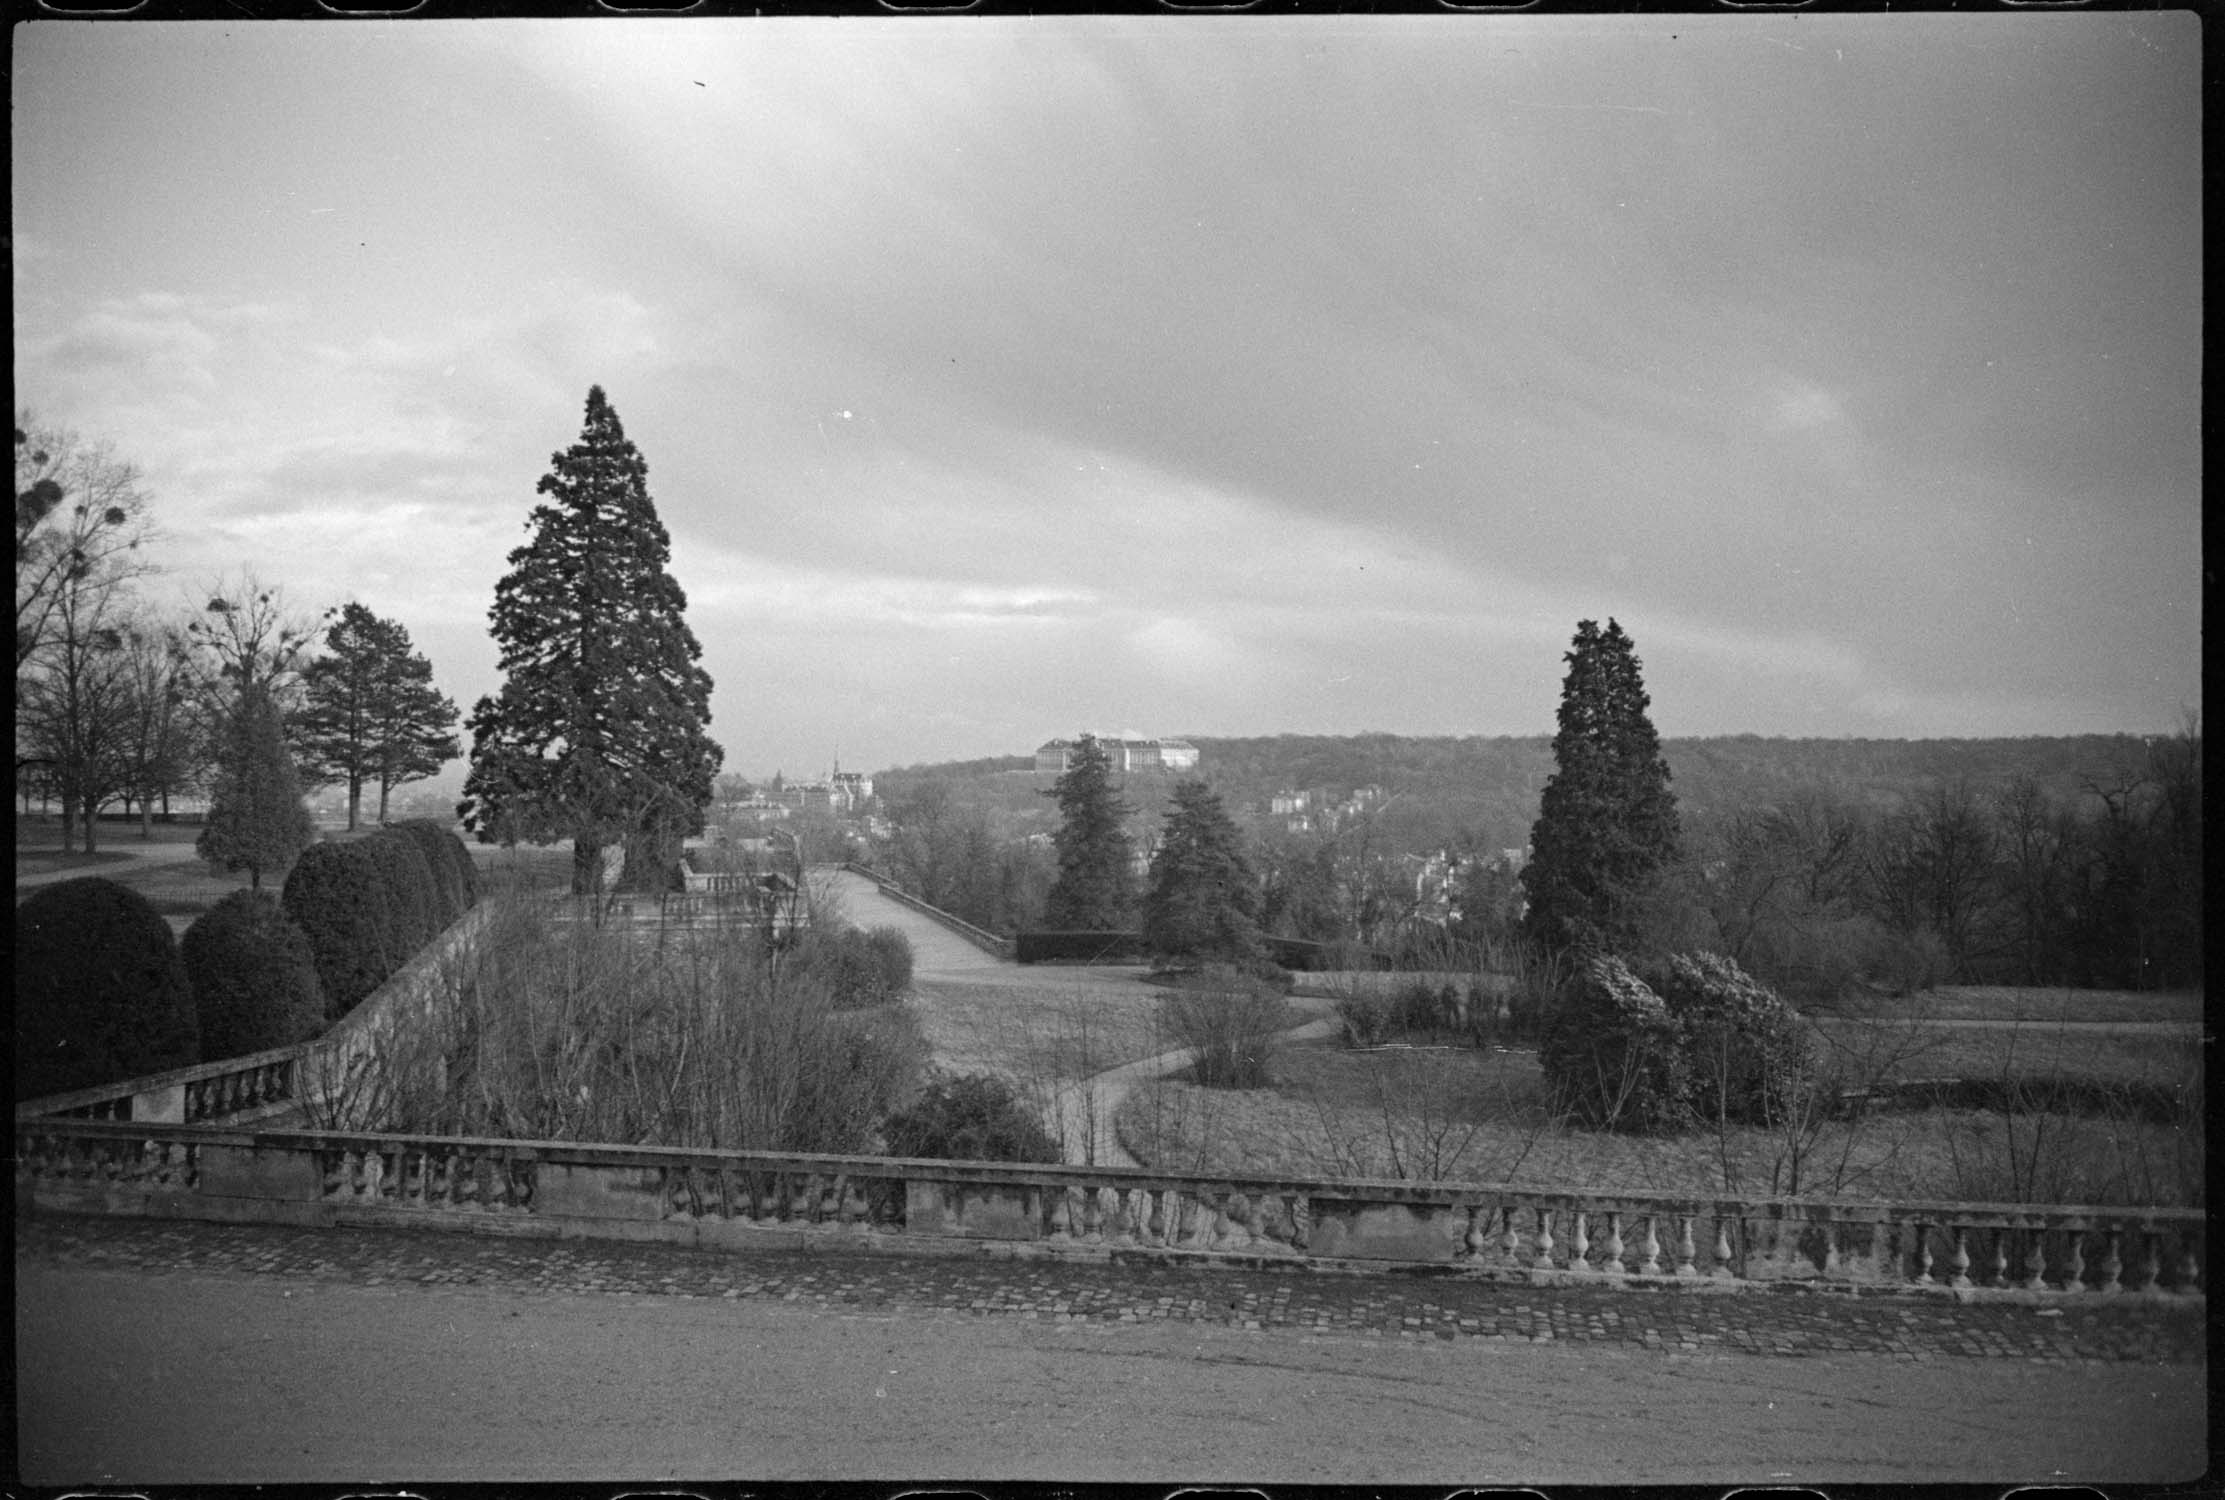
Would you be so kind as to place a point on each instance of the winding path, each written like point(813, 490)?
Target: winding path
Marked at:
point(948, 973)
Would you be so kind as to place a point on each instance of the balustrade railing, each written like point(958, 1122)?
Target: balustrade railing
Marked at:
point(1972, 1250)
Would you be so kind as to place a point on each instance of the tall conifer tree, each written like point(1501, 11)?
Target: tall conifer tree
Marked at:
point(1095, 888)
point(1204, 899)
point(370, 712)
point(599, 734)
point(256, 818)
point(1607, 822)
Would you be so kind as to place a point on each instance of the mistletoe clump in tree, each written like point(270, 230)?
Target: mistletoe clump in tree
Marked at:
point(1094, 891)
point(371, 713)
point(1607, 822)
point(1203, 902)
point(599, 732)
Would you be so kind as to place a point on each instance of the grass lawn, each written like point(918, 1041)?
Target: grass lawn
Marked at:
point(1459, 1114)
point(2039, 1004)
point(1042, 1032)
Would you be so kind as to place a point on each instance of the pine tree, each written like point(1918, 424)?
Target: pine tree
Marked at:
point(598, 734)
point(1203, 902)
point(256, 818)
point(1094, 891)
point(1607, 822)
point(371, 712)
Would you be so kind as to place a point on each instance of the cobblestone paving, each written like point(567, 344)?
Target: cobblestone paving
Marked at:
point(1770, 1324)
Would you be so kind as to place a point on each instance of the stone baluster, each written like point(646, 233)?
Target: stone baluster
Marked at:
point(1579, 1244)
point(805, 1196)
point(2111, 1265)
point(1544, 1257)
point(1230, 1230)
point(2074, 1261)
point(1722, 1267)
point(1093, 1218)
point(1510, 1235)
point(1959, 1259)
point(1197, 1222)
point(1649, 1249)
point(2001, 1257)
point(1127, 1215)
point(2190, 1267)
point(1923, 1255)
point(1478, 1238)
point(1301, 1221)
point(1685, 1249)
point(1061, 1218)
point(2035, 1260)
point(1612, 1264)
point(334, 1167)
point(830, 1198)
point(2147, 1270)
point(1155, 1225)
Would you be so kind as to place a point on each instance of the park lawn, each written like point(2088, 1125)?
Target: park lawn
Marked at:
point(1464, 1115)
point(1038, 1033)
point(2038, 1052)
point(2039, 1004)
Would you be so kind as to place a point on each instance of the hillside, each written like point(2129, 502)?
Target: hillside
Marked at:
point(1442, 788)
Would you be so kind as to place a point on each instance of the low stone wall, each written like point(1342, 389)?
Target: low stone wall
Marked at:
point(743, 1198)
point(989, 942)
point(278, 1083)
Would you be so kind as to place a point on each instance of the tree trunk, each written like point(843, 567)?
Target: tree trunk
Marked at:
point(69, 821)
point(652, 862)
point(587, 868)
point(146, 820)
point(92, 826)
point(384, 787)
point(355, 800)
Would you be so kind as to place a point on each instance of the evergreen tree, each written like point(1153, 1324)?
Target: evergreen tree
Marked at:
point(371, 712)
point(1203, 902)
point(1094, 891)
point(256, 818)
point(1607, 821)
point(598, 734)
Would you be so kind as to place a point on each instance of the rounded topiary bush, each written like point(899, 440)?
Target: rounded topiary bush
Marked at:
point(337, 897)
point(410, 895)
point(1613, 1056)
point(254, 977)
point(100, 993)
point(974, 1118)
point(436, 844)
point(1750, 1056)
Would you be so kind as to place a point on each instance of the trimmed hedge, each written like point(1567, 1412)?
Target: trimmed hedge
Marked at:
point(337, 896)
point(1080, 947)
point(409, 893)
point(254, 977)
point(974, 1118)
point(447, 887)
point(100, 992)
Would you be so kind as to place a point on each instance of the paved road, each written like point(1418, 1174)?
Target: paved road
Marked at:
point(151, 1353)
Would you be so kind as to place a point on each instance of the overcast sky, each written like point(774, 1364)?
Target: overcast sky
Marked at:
point(999, 379)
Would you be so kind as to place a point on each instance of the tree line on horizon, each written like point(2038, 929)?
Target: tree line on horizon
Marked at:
point(243, 700)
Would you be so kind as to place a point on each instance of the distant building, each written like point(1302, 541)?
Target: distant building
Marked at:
point(1054, 756)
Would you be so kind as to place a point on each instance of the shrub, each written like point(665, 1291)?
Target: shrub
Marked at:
point(1231, 1022)
point(441, 849)
point(411, 898)
point(1749, 1053)
point(335, 895)
point(1368, 1018)
point(892, 954)
point(254, 978)
point(973, 1118)
point(100, 993)
point(1612, 1055)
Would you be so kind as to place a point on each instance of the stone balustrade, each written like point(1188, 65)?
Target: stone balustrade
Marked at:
point(988, 942)
point(739, 1198)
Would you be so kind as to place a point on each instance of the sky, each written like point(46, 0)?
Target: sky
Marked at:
point(1001, 379)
